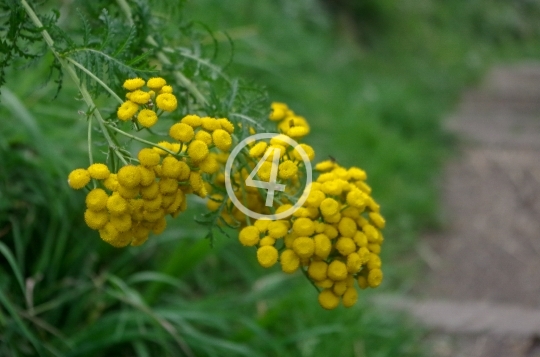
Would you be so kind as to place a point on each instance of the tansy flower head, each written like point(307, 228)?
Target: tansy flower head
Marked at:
point(197, 150)
point(147, 118)
point(222, 139)
point(166, 89)
point(279, 111)
point(192, 120)
point(258, 149)
point(287, 169)
point(133, 84)
point(129, 176)
point(182, 132)
point(328, 300)
point(139, 97)
point(99, 171)
point(249, 236)
point(96, 199)
point(210, 124)
point(96, 219)
point(267, 256)
point(226, 125)
point(204, 136)
point(78, 178)
point(148, 157)
point(290, 262)
point(156, 83)
point(127, 110)
point(166, 102)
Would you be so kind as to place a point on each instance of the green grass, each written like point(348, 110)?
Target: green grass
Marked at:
point(375, 101)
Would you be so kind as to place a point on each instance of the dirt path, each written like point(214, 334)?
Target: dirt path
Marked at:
point(489, 253)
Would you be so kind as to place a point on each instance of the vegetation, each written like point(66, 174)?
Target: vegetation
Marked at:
point(374, 88)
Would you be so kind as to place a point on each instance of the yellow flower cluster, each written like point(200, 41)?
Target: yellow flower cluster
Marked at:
point(335, 237)
point(142, 103)
point(289, 123)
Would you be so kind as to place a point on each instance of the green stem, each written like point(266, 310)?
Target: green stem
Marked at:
point(183, 80)
point(68, 67)
point(95, 78)
point(142, 140)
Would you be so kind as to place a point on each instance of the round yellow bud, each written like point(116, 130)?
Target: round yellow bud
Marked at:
point(96, 219)
point(181, 132)
point(258, 149)
point(127, 110)
point(133, 83)
point(147, 118)
point(99, 171)
point(304, 227)
point(290, 262)
point(197, 150)
point(329, 207)
point(350, 297)
point(277, 229)
point(166, 102)
point(337, 270)
point(375, 278)
point(304, 247)
point(222, 139)
point(328, 300)
point(129, 176)
point(354, 263)
point(317, 270)
point(96, 200)
point(156, 83)
point(267, 256)
point(347, 227)
point(287, 170)
point(78, 178)
point(192, 120)
point(249, 236)
point(226, 125)
point(116, 204)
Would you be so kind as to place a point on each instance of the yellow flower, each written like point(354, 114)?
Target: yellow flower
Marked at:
point(375, 278)
point(374, 262)
point(108, 233)
point(326, 165)
point(165, 145)
point(181, 132)
point(204, 136)
point(328, 300)
point(147, 175)
point(197, 150)
point(168, 186)
point(116, 204)
point(356, 198)
point(226, 125)
point(99, 171)
point(315, 198)
point(345, 246)
point(265, 171)
point(298, 131)
point(249, 236)
point(127, 110)
point(377, 219)
point(277, 229)
point(210, 124)
point(323, 246)
point(333, 188)
point(195, 180)
point(129, 176)
point(289, 261)
point(170, 167)
point(357, 174)
point(122, 222)
point(317, 270)
point(258, 149)
point(354, 263)
point(304, 247)
point(329, 207)
point(222, 139)
point(279, 111)
point(111, 182)
point(267, 241)
point(262, 225)
point(147, 118)
point(330, 231)
point(209, 165)
point(153, 204)
point(151, 191)
point(96, 219)
point(303, 227)
point(139, 97)
point(166, 102)
point(148, 157)
point(78, 178)
point(347, 227)
point(287, 169)
point(192, 120)
point(154, 216)
point(267, 256)
point(96, 199)
point(350, 297)
point(339, 287)
point(337, 270)
point(166, 89)
point(156, 83)
point(133, 83)
point(362, 282)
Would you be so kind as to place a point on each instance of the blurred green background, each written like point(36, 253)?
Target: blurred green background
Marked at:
point(373, 78)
